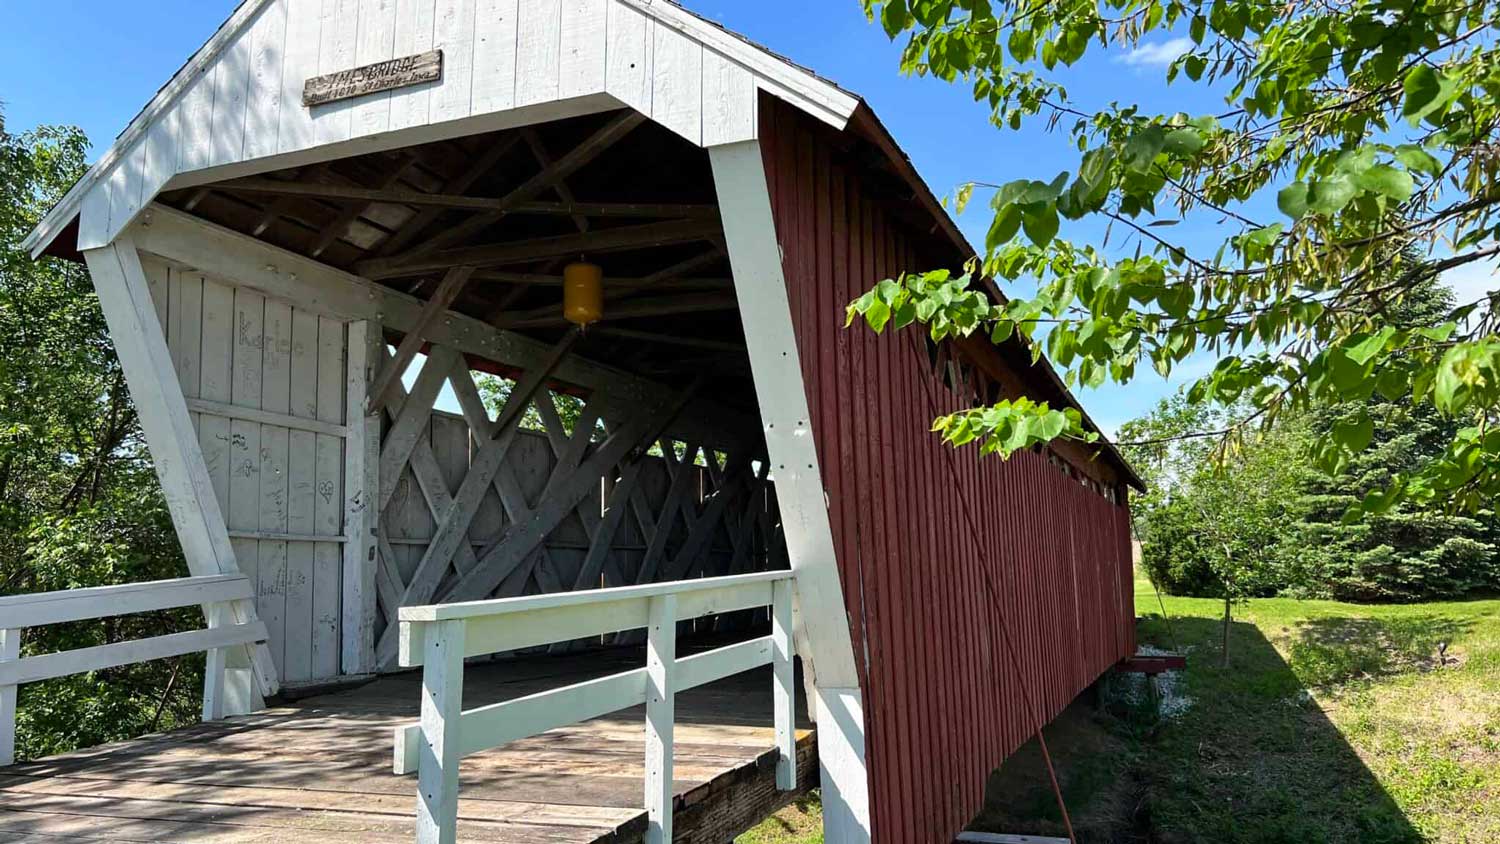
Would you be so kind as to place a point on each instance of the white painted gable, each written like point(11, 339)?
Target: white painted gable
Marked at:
point(236, 107)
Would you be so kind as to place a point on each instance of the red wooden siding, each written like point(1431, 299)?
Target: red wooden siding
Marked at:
point(943, 703)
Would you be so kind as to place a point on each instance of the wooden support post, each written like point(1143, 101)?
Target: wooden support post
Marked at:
point(783, 669)
point(214, 670)
point(361, 496)
point(10, 651)
point(661, 665)
point(439, 752)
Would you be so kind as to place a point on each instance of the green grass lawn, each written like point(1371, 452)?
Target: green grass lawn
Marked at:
point(1333, 723)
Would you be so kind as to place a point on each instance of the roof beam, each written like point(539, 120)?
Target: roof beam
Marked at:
point(352, 211)
point(559, 186)
point(664, 279)
point(611, 282)
point(665, 306)
point(666, 339)
point(580, 156)
point(460, 183)
point(619, 239)
point(392, 196)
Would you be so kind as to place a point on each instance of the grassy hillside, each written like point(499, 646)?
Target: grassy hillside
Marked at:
point(1333, 723)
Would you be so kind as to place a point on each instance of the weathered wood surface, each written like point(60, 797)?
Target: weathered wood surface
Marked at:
point(373, 78)
point(320, 770)
point(265, 386)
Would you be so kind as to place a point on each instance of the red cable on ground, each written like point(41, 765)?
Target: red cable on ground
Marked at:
point(994, 598)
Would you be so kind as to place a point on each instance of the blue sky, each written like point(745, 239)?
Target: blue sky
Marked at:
point(95, 64)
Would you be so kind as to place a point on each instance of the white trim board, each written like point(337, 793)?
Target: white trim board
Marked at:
point(828, 659)
point(234, 108)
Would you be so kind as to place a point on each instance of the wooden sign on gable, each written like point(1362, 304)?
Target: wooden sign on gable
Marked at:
point(374, 78)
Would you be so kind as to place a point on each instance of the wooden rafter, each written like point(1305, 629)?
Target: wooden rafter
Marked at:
point(663, 306)
point(395, 196)
point(666, 275)
point(667, 339)
point(476, 170)
point(559, 185)
point(581, 155)
point(623, 238)
point(612, 284)
point(353, 210)
point(282, 205)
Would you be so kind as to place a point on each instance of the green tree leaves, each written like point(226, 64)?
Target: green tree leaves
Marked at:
point(1011, 425)
point(79, 501)
point(1427, 93)
point(1368, 125)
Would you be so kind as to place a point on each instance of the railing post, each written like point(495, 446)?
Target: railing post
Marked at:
point(442, 710)
point(661, 665)
point(10, 650)
point(215, 667)
point(783, 670)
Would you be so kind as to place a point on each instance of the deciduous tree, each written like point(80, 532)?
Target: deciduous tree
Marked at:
point(1355, 160)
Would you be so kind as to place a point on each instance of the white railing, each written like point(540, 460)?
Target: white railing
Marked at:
point(438, 638)
point(214, 593)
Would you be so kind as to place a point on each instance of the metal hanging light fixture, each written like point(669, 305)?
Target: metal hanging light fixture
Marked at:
point(583, 293)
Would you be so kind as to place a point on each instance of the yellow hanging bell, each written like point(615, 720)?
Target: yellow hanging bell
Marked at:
point(583, 293)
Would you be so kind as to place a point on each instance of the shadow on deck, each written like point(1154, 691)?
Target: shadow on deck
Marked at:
point(320, 770)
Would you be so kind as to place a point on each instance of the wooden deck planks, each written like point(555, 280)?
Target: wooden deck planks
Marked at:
point(320, 769)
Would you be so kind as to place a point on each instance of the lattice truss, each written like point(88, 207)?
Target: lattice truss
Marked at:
point(476, 506)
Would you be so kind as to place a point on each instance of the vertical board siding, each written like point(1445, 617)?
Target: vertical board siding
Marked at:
point(337, 47)
point(376, 43)
point(452, 97)
point(583, 52)
point(233, 346)
point(495, 31)
point(944, 703)
point(538, 51)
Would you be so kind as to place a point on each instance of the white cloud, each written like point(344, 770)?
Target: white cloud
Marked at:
point(1155, 55)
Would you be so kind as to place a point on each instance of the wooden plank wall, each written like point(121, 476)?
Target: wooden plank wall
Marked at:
point(242, 359)
point(498, 55)
point(943, 702)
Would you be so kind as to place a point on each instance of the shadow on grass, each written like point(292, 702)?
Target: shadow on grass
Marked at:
point(1338, 650)
point(1251, 758)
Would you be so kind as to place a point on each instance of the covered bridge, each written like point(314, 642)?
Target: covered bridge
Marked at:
point(333, 192)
